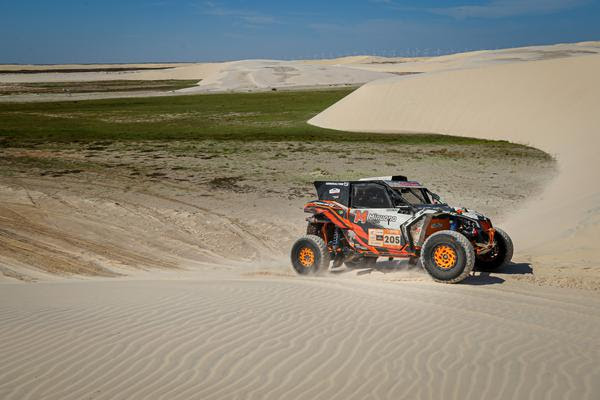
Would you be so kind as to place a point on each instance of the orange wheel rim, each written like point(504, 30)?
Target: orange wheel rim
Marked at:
point(444, 256)
point(306, 257)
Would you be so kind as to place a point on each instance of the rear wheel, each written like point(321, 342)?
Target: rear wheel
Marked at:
point(448, 256)
point(499, 255)
point(310, 255)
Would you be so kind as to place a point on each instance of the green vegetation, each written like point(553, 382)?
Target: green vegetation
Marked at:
point(95, 86)
point(273, 116)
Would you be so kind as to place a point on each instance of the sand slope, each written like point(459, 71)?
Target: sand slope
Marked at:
point(552, 105)
point(226, 338)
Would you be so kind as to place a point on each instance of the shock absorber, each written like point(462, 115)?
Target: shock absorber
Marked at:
point(335, 242)
point(336, 246)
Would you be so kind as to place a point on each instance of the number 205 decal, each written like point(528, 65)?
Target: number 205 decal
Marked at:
point(392, 239)
point(385, 237)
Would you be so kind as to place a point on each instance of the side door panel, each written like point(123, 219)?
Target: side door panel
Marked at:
point(381, 226)
point(376, 228)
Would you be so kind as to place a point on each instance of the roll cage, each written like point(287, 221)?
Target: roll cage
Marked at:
point(392, 194)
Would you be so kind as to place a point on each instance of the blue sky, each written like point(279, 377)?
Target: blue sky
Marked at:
point(88, 31)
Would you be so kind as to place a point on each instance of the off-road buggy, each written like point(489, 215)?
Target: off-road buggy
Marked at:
point(353, 223)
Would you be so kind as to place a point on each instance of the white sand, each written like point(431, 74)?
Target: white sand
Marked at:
point(552, 105)
point(219, 337)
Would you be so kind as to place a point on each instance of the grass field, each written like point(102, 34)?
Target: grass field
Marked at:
point(251, 116)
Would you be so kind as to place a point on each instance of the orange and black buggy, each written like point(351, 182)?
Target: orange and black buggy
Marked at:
point(353, 223)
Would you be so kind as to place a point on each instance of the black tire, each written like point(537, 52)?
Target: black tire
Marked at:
point(448, 256)
point(310, 255)
point(361, 262)
point(501, 253)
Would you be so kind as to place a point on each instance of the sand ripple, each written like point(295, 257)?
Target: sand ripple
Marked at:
point(295, 339)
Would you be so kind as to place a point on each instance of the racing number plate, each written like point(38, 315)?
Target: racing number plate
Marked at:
point(385, 238)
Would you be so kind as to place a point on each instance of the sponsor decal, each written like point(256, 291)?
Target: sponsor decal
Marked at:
point(335, 191)
point(378, 218)
point(337, 183)
point(391, 238)
point(361, 217)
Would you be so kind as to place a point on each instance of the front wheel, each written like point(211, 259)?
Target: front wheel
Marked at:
point(499, 255)
point(448, 256)
point(310, 255)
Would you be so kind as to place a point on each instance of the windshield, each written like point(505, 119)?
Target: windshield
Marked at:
point(413, 196)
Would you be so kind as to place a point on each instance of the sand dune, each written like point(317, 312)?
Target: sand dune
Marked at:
point(229, 76)
point(249, 75)
point(475, 59)
point(274, 338)
point(265, 74)
point(551, 104)
point(238, 76)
